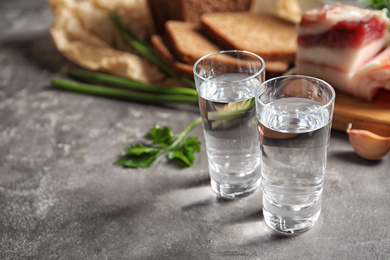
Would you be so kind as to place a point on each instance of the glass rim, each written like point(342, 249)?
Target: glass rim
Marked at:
point(333, 92)
point(261, 70)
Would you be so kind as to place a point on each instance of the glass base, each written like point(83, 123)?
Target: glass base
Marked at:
point(293, 225)
point(230, 191)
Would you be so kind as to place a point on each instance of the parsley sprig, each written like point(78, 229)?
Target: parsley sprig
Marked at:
point(162, 140)
point(378, 4)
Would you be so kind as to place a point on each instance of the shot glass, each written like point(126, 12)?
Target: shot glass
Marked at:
point(226, 83)
point(294, 116)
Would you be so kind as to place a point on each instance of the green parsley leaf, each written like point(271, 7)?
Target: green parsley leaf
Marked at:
point(185, 151)
point(378, 4)
point(161, 136)
point(135, 161)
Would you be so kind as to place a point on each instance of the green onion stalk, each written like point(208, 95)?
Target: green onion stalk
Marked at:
point(145, 51)
point(121, 94)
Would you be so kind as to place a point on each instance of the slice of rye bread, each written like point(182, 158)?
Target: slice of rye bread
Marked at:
point(273, 68)
point(164, 53)
point(188, 45)
point(270, 37)
point(191, 10)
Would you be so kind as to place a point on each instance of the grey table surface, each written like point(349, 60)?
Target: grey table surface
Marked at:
point(61, 197)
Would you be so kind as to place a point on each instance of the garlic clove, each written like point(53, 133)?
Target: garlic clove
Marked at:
point(367, 144)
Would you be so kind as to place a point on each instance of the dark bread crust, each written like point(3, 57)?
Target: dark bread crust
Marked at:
point(161, 49)
point(164, 53)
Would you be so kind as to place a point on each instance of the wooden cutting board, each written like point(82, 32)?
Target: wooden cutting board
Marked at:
point(373, 116)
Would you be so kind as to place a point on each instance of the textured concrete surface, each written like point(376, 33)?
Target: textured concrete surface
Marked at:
point(61, 197)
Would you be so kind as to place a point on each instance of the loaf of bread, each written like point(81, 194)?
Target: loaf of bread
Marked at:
point(191, 10)
point(270, 37)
